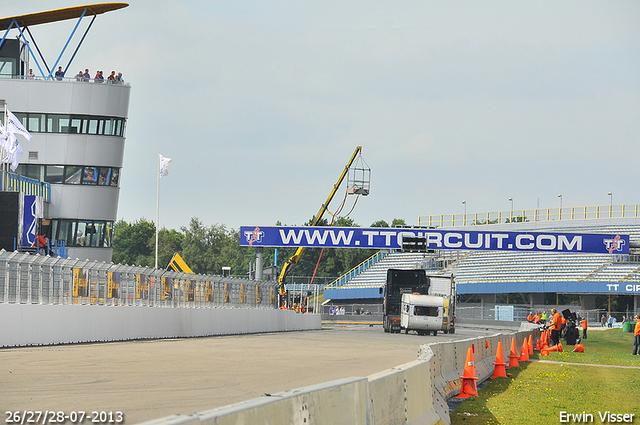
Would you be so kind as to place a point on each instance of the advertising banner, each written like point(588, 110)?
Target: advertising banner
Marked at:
point(29, 220)
point(391, 238)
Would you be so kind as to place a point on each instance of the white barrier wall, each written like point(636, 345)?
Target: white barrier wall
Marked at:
point(36, 324)
point(414, 393)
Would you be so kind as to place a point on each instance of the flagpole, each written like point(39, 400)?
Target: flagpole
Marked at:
point(5, 168)
point(157, 205)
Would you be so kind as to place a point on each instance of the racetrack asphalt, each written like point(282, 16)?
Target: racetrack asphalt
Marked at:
point(150, 379)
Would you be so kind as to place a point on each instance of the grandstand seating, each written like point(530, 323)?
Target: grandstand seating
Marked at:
point(507, 267)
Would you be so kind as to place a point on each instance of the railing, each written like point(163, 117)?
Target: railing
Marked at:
point(69, 79)
point(519, 216)
point(11, 182)
point(35, 279)
point(56, 248)
point(357, 269)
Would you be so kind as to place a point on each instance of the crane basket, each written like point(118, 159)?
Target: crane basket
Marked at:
point(359, 177)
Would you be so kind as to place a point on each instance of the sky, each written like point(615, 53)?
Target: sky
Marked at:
point(260, 105)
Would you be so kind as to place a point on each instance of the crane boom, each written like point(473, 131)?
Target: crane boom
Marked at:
point(295, 257)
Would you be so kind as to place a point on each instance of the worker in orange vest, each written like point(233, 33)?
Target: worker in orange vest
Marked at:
point(636, 336)
point(555, 326)
point(537, 317)
point(584, 328)
point(530, 317)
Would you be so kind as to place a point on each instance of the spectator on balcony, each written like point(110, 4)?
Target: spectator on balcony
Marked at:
point(59, 74)
point(119, 78)
point(99, 78)
point(112, 77)
point(86, 75)
point(80, 76)
point(42, 243)
point(31, 74)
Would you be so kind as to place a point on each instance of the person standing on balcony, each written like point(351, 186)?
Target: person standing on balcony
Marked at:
point(59, 74)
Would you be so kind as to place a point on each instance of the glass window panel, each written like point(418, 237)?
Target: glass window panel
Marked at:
point(76, 126)
point(115, 175)
point(100, 126)
point(108, 127)
point(30, 170)
point(54, 174)
point(108, 234)
point(104, 174)
point(119, 127)
point(81, 234)
point(36, 123)
point(93, 126)
point(66, 232)
point(72, 174)
point(98, 234)
point(22, 117)
point(89, 175)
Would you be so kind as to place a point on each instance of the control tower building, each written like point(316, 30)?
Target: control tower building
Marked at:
point(78, 128)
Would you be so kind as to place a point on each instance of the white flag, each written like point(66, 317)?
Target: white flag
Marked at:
point(13, 125)
point(164, 165)
point(12, 148)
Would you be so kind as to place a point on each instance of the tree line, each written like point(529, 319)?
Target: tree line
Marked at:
point(207, 249)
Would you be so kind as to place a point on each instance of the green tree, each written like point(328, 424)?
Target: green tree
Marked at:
point(202, 246)
point(134, 243)
point(398, 222)
point(379, 223)
point(169, 243)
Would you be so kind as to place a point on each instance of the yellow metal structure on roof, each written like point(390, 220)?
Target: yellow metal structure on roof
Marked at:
point(60, 14)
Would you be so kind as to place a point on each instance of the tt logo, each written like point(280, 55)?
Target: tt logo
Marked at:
point(254, 236)
point(614, 244)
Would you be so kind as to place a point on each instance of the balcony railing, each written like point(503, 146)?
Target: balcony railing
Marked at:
point(11, 182)
point(519, 216)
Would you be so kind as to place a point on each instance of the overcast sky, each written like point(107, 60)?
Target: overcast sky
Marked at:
point(261, 104)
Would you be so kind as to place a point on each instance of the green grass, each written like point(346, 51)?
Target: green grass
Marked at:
point(536, 392)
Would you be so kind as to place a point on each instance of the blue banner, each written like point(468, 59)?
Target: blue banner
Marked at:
point(29, 220)
point(391, 238)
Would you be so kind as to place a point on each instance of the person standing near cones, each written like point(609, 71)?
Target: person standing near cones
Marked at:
point(636, 337)
point(583, 322)
point(555, 326)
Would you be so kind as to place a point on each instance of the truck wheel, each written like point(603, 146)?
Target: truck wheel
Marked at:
point(435, 333)
point(406, 331)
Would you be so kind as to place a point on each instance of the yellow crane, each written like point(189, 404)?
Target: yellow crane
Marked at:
point(356, 190)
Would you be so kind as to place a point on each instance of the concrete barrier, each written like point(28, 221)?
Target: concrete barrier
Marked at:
point(414, 393)
point(36, 324)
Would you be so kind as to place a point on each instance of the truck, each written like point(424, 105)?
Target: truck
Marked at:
point(416, 301)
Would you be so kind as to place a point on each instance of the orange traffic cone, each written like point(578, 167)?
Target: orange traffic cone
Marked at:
point(538, 347)
point(469, 387)
point(557, 348)
point(486, 344)
point(530, 345)
point(513, 354)
point(499, 369)
point(524, 354)
point(579, 348)
point(544, 352)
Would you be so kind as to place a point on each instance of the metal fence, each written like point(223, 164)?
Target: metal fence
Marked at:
point(518, 313)
point(37, 279)
point(540, 214)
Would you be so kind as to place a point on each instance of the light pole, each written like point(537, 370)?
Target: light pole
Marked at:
point(560, 212)
point(464, 220)
point(511, 215)
point(610, 203)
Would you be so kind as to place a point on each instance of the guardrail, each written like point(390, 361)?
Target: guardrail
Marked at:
point(36, 279)
point(11, 182)
point(357, 269)
point(412, 393)
point(541, 214)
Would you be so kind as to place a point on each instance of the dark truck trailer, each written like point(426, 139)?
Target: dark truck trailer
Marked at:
point(414, 281)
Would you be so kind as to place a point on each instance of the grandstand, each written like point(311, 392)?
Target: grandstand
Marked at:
point(487, 273)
